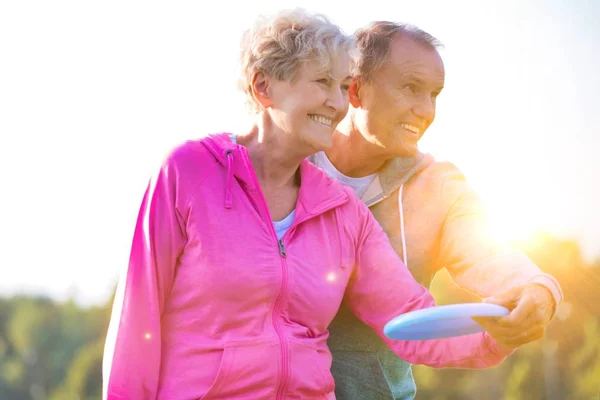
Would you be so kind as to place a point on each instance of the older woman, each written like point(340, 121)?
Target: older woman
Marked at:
point(243, 250)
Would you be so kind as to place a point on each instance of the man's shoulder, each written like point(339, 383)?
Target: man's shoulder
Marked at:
point(440, 184)
point(436, 178)
point(440, 171)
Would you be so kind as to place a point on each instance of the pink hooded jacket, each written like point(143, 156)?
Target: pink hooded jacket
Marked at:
point(213, 305)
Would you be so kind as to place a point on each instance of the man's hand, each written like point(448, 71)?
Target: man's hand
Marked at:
point(532, 307)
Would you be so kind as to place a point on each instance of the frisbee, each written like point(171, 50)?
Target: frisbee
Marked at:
point(441, 321)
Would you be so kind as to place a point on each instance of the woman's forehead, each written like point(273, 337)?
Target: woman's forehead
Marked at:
point(339, 66)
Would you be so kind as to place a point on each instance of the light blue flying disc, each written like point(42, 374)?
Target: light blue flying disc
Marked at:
point(441, 321)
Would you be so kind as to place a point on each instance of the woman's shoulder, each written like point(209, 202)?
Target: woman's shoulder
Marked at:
point(191, 154)
point(186, 163)
point(188, 151)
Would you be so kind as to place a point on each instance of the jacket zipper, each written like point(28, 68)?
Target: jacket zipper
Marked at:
point(284, 278)
point(277, 306)
point(281, 248)
point(276, 312)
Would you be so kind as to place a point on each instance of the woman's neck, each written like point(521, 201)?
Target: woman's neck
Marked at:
point(274, 154)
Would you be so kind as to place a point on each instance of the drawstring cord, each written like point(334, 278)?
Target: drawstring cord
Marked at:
point(228, 196)
point(405, 259)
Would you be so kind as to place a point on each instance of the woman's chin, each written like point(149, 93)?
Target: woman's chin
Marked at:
point(320, 142)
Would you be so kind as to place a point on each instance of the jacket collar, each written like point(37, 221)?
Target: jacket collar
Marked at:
point(317, 191)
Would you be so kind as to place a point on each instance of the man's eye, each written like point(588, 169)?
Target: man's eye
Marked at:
point(323, 81)
point(410, 87)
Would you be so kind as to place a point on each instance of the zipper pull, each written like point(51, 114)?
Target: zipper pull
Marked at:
point(281, 248)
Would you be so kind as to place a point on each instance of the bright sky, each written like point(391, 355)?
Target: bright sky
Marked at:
point(93, 93)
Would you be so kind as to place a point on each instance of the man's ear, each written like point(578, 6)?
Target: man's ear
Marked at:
point(261, 89)
point(353, 93)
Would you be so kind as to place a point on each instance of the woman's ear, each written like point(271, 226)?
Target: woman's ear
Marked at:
point(261, 89)
point(353, 93)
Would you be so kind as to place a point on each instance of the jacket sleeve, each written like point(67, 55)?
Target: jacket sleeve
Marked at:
point(474, 258)
point(132, 352)
point(382, 288)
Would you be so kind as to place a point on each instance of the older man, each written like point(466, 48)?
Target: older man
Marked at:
point(432, 217)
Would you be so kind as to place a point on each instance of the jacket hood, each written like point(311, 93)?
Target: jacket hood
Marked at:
point(395, 173)
point(317, 191)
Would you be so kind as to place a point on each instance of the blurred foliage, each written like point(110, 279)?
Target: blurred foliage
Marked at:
point(51, 350)
point(564, 365)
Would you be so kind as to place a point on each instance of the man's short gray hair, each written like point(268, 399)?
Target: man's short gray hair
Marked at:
point(374, 43)
point(277, 46)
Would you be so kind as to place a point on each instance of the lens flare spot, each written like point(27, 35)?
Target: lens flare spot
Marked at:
point(331, 277)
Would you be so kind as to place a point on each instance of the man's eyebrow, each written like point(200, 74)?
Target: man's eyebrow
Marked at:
point(412, 77)
point(415, 78)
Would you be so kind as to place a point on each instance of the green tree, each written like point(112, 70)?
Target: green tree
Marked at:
point(84, 377)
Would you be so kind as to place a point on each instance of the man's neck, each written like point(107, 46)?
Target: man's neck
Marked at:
point(352, 155)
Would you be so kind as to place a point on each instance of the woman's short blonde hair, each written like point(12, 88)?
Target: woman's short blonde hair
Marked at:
point(278, 45)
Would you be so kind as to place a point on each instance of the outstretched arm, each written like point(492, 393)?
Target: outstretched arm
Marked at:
point(382, 288)
point(480, 263)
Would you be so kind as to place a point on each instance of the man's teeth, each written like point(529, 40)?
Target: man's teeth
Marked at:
point(411, 128)
point(322, 120)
